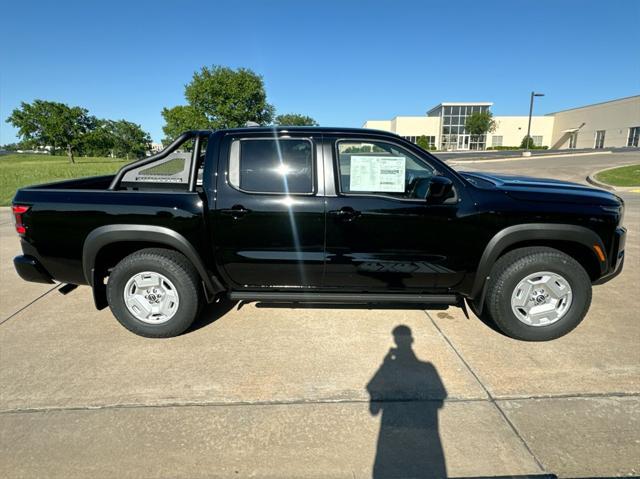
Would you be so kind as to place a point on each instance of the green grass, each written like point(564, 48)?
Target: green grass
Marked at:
point(623, 176)
point(19, 170)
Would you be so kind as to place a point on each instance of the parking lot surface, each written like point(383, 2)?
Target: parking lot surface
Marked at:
point(301, 392)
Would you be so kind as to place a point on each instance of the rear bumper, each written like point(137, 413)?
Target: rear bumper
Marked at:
point(31, 270)
point(617, 258)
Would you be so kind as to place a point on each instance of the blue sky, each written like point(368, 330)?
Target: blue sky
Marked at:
point(342, 62)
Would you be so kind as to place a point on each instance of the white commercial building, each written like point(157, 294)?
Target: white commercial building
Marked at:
point(613, 123)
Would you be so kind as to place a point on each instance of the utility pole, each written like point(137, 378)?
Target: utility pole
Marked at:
point(528, 137)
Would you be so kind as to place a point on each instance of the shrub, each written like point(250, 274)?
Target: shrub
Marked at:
point(500, 148)
point(423, 142)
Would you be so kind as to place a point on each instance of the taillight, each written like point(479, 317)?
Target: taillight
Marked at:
point(18, 211)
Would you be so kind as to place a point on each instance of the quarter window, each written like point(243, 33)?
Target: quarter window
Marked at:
point(170, 172)
point(382, 168)
point(283, 165)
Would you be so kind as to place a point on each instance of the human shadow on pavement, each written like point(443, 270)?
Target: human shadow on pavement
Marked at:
point(407, 393)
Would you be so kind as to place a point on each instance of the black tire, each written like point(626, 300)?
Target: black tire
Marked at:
point(514, 266)
point(484, 316)
point(175, 267)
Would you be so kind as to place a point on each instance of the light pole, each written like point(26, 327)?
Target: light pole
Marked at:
point(533, 94)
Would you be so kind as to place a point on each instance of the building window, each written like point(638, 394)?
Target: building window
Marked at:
point(496, 140)
point(537, 140)
point(599, 143)
point(454, 134)
point(573, 140)
point(272, 165)
point(477, 142)
point(634, 136)
point(414, 139)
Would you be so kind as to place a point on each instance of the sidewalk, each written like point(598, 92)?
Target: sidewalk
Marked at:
point(261, 392)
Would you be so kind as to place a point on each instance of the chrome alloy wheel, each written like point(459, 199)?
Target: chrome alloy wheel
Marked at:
point(541, 299)
point(151, 297)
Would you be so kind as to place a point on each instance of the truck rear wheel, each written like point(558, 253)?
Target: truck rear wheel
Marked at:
point(155, 293)
point(538, 294)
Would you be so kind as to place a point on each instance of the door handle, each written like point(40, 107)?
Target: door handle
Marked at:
point(237, 211)
point(346, 213)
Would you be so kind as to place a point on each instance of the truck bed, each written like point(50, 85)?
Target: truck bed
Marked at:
point(61, 215)
point(88, 183)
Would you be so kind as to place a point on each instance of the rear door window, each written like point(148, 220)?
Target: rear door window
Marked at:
point(272, 165)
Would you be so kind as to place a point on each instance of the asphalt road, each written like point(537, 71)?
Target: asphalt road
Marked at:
point(489, 154)
point(566, 167)
point(262, 392)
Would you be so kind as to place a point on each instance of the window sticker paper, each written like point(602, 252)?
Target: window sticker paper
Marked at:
point(378, 173)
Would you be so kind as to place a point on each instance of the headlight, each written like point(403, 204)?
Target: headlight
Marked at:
point(619, 210)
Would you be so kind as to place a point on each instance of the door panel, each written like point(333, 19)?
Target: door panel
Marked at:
point(385, 244)
point(379, 241)
point(267, 240)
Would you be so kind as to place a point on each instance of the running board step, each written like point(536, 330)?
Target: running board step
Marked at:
point(343, 297)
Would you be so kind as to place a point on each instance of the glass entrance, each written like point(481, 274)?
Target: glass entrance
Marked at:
point(463, 142)
point(599, 139)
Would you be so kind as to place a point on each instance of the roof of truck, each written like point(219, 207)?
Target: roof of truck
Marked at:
point(314, 129)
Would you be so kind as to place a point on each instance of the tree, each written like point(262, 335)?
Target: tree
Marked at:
point(99, 140)
point(527, 143)
point(120, 138)
point(129, 139)
point(180, 119)
point(424, 143)
point(295, 119)
point(21, 145)
point(219, 97)
point(48, 123)
point(480, 123)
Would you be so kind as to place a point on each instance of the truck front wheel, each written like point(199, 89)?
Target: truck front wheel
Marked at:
point(538, 294)
point(154, 293)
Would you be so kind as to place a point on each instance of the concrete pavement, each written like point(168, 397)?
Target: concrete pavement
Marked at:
point(261, 392)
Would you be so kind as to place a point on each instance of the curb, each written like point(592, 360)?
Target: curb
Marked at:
point(592, 179)
point(523, 158)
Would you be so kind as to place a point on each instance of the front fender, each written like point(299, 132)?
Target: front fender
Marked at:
point(523, 233)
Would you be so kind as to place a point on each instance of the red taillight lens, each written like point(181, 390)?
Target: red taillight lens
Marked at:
point(18, 211)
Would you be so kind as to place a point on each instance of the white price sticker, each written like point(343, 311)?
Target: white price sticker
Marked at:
point(377, 173)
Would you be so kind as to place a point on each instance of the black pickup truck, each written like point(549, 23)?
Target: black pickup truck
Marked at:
point(321, 215)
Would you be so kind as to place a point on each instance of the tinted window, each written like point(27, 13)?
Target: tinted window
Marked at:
point(382, 168)
point(272, 166)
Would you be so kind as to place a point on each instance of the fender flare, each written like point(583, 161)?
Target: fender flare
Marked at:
point(527, 232)
point(109, 234)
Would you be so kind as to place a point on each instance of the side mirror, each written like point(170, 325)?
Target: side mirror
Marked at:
point(440, 190)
